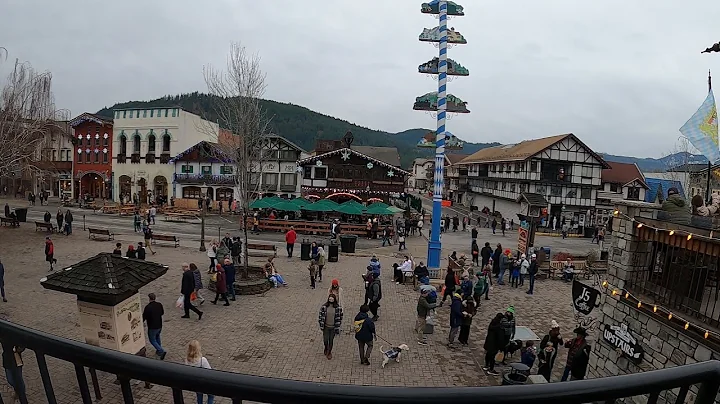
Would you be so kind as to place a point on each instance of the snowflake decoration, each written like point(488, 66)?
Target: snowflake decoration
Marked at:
point(79, 150)
point(318, 163)
point(96, 151)
point(79, 136)
point(105, 136)
point(87, 150)
point(299, 169)
point(391, 174)
point(88, 136)
point(97, 136)
point(369, 166)
point(105, 150)
point(345, 155)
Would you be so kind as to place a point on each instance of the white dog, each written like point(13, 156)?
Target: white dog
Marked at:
point(392, 353)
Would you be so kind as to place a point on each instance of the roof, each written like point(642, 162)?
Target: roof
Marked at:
point(213, 150)
point(284, 139)
point(660, 186)
point(533, 199)
point(622, 173)
point(355, 151)
point(86, 116)
point(691, 167)
point(455, 158)
point(105, 277)
point(388, 155)
point(523, 150)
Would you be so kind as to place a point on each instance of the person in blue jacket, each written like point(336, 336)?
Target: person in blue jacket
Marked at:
point(364, 334)
point(229, 268)
point(456, 318)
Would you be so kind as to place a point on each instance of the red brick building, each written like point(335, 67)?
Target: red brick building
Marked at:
point(92, 157)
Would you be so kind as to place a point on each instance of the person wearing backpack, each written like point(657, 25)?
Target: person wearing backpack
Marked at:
point(374, 295)
point(364, 334)
point(424, 307)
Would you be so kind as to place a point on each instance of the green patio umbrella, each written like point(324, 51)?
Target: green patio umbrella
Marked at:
point(265, 202)
point(323, 205)
point(300, 201)
point(286, 205)
point(378, 209)
point(395, 209)
point(350, 207)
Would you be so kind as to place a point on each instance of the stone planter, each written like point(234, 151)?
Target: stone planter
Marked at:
point(254, 285)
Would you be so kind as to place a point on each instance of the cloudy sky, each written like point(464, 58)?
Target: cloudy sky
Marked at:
point(622, 75)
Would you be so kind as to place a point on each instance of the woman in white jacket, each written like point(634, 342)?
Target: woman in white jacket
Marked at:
point(524, 265)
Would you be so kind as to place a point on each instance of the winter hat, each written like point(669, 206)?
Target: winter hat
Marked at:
point(533, 256)
point(554, 324)
point(522, 256)
point(511, 309)
point(335, 282)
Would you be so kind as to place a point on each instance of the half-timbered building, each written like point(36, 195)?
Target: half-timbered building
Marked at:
point(560, 169)
point(340, 171)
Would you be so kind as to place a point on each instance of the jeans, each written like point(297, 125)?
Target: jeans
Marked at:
point(15, 379)
point(386, 240)
point(420, 328)
point(501, 276)
point(464, 334)
point(365, 353)
point(320, 268)
point(212, 263)
point(312, 281)
point(566, 374)
point(453, 334)
point(154, 337)
point(137, 227)
point(328, 337)
point(231, 290)
point(210, 400)
point(532, 283)
point(290, 248)
point(69, 228)
point(2, 291)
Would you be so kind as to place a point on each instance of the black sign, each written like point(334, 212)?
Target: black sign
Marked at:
point(585, 298)
point(619, 337)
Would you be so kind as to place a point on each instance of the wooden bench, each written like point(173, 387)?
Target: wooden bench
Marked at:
point(179, 217)
point(166, 237)
point(260, 247)
point(110, 209)
point(558, 266)
point(127, 210)
point(47, 226)
point(100, 232)
point(8, 221)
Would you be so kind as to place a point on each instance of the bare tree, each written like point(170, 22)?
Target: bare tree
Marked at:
point(244, 125)
point(27, 115)
point(677, 169)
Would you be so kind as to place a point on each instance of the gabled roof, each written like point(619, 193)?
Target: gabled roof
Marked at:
point(293, 145)
point(455, 158)
point(622, 173)
point(356, 152)
point(213, 151)
point(86, 116)
point(659, 187)
point(532, 199)
point(523, 150)
point(106, 277)
point(387, 155)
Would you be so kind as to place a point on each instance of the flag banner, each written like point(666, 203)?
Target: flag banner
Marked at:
point(702, 129)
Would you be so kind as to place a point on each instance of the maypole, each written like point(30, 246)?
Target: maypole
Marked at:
point(441, 103)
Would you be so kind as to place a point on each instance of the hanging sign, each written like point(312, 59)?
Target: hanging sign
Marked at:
point(585, 298)
point(522, 239)
point(619, 337)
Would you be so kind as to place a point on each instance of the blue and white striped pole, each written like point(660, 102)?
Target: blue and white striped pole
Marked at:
point(434, 245)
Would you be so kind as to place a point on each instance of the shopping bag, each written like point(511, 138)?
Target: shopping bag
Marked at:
point(213, 276)
point(180, 302)
point(193, 296)
point(499, 357)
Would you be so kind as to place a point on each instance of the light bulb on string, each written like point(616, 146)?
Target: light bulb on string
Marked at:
point(627, 295)
point(639, 304)
point(707, 334)
point(616, 212)
point(687, 325)
point(605, 284)
point(672, 232)
point(639, 225)
point(614, 292)
point(655, 309)
point(669, 316)
point(689, 237)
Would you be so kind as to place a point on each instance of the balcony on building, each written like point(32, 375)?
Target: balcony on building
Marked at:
point(208, 179)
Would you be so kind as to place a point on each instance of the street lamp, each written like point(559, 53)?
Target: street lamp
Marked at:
point(203, 208)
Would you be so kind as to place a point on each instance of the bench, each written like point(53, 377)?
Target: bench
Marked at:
point(580, 267)
point(45, 225)
point(8, 221)
point(100, 232)
point(260, 247)
point(179, 217)
point(110, 209)
point(127, 210)
point(166, 237)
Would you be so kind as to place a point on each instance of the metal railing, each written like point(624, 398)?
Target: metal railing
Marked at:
point(239, 387)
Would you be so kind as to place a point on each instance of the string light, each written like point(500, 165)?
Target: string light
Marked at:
point(605, 284)
point(687, 325)
point(627, 295)
point(616, 212)
point(639, 225)
point(672, 232)
point(689, 237)
point(639, 304)
point(614, 292)
point(655, 309)
point(707, 334)
point(670, 316)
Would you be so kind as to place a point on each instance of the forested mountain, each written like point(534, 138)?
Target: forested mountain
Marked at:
point(303, 126)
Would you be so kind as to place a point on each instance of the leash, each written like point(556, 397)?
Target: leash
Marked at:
point(391, 344)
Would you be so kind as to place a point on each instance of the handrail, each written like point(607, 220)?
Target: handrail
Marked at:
point(264, 389)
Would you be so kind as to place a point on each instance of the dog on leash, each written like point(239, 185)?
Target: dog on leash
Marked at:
point(392, 353)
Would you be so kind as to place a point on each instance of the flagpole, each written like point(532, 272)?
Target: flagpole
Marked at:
point(707, 189)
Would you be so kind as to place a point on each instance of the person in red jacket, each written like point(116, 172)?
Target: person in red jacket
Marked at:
point(50, 252)
point(290, 238)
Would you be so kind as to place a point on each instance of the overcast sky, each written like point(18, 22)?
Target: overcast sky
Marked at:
point(622, 75)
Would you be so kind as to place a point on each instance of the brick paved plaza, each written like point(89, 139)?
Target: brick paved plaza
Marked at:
point(275, 334)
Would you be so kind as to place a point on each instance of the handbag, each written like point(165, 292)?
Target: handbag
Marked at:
point(193, 296)
point(499, 357)
point(213, 276)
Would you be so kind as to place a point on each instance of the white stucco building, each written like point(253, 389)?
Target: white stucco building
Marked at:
point(144, 141)
point(422, 174)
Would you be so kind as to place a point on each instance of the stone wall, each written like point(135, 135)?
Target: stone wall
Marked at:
point(665, 345)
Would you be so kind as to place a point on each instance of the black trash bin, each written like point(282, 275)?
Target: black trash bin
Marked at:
point(333, 252)
point(518, 374)
point(21, 214)
point(305, 250)
point(347, 243)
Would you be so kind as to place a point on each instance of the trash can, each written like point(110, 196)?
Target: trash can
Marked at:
point(547, 251)
point(516, 375)
point(21, 214)
point(347, 243)
point(305, 250)
point(333, 252)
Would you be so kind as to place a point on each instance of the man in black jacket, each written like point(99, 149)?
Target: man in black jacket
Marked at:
point(152, 315)
point(187, 288)
point(532, 271)
point(485, 253)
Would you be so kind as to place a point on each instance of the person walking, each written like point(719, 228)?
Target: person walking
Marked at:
point(68, 222)
point(450, 284)
point(424, 308)
point(482, 285)
point(212, 254)
point(137, 221)
point(187, 287)
point(575, 346)
point(420, 225)
point(496, 259)
point(13, 365)
point(229, 269)
point(290, 238)
point(386, 236)
point(59, 218)
point(220, 286)
point(532, 272)
point(50, 253)
point(197, 277)
point(152, 315)
point(524, 269)
point(312, 269)
point(147, 235)
point(485, 254)
point(330, 320)
point(2, 282)
point(195, 358)
point(374, 295)
point(153, 212)
point(364, 334)
point(336, 290)
point(504, 264)
point(494, 225)
point(456, 318)
point(494, 341)
point(475, 252)
point(321, 262)
point(47, 217)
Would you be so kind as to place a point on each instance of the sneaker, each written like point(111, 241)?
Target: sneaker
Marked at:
point(422, 342)
point(493, 373)
point(200, 315)
point(184, 316)
point(4, 300)
point(162, 356)
point(485, 368)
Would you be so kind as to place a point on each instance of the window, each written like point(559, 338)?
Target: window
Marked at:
point(145, 114)
point(54, 155)
point(105, 158)
point(517, 167)
point(495, 185)
point(533, 166)
point(587, 172)
point(166, 113)
point(206, 170)
point(191, 192)
point(105, 140)
point(136, 144)
point(131, 114)
point(320, 173)
point(151, 144)
point(152, 111)
point(117, 114)
point(166, 143)
point(614, 188)
point(270, 179)
point(289, 155)
point(124, 114)
point(123, 144)
point(88, 156)
point(512, 187)
point(555, 191)
point(254, 178)
point(586, 193)
point(96, 157)
point(288, 179)
point(307, 172)
point(633, 193)
point(187, 169)
point(174, 112)
point(502, 186)
point(571, 193)
point(541, 189)
point(522, 187)
point(226, 169)
point(159, 113)
point(509, 167)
